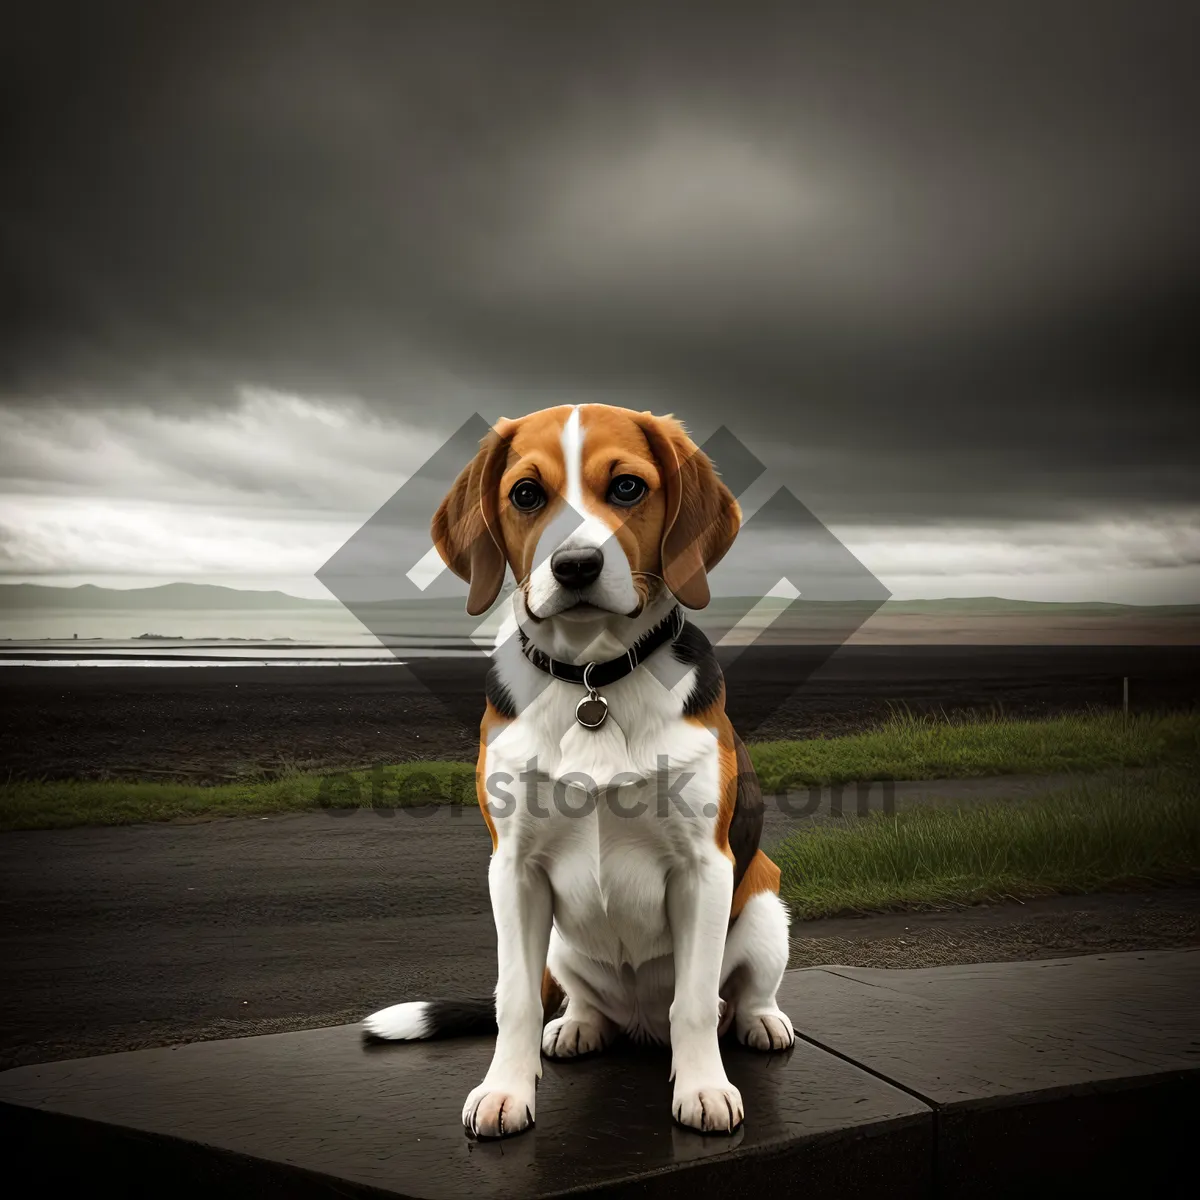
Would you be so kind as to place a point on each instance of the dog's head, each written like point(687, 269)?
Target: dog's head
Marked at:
point(597, 510)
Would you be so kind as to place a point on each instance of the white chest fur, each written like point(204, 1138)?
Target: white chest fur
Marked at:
point(607, 814)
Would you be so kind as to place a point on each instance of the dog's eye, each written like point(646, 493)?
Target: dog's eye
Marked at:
point(527, 495)
point(626, 490)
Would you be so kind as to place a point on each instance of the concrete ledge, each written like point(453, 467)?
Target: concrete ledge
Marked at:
point(1061, 1073)
point(974, 1080)
point(316, 1114)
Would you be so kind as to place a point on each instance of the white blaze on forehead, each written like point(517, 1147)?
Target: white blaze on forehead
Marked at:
point(574, 527)
point(572, 445)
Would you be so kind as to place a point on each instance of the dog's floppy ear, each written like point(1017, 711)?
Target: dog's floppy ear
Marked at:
point(466, 527)
point(702, 516)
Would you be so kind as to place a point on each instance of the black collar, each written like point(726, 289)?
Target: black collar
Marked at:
point(601, 674)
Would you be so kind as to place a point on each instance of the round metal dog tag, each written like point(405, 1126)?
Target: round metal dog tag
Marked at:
point(592, 711)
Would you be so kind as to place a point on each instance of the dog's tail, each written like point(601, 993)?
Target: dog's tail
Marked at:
point(423, 1020)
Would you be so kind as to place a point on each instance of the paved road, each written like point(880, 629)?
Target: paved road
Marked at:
point(113, 936)
point(116, 937)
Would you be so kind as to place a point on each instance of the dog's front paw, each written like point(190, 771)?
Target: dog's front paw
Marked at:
point(496, 1111)
point(713, 1108)
point(566, 1037)
point(769, 1030)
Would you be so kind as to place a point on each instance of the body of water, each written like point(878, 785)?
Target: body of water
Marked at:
point(334, 637)
point(89, 638)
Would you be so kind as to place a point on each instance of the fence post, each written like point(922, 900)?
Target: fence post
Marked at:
point(1125, 696)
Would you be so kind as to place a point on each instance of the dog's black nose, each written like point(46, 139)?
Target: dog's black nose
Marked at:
point(576, 568)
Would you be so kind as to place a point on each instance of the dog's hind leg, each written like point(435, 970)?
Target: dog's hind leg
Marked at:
point(585, 1026)
point(756, 955)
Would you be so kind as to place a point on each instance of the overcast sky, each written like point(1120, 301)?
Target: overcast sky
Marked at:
point(931, 263)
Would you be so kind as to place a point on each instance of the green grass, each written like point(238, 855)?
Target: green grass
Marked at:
point(905, 747)
point(59, 804)
point(1101, 834)
point(908, 747)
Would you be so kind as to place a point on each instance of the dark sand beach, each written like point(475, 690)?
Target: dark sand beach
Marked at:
point(195, 723)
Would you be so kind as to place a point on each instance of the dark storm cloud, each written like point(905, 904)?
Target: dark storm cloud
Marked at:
point(935, 259)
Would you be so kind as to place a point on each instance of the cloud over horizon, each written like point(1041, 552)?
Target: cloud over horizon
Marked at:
point(934, 267)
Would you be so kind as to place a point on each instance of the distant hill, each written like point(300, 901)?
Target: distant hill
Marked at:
point(198, 597)
point(993, 606)
point(209, 597)
point(976, 606)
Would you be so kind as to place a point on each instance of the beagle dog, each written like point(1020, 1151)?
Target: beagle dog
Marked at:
point(626, 877)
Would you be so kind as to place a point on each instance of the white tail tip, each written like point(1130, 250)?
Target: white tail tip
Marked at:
point(399, 1023)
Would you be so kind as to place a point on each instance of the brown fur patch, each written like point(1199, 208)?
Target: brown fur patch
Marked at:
point(552, 995)
point(762, 875)
point(491, 720)
point(717, 723)
point(736, 772)
point(701, 517)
